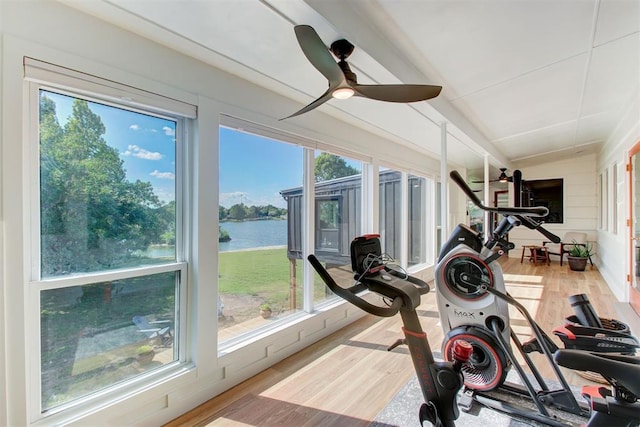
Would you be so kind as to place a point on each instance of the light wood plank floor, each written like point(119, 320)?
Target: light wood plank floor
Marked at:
point(347, 378)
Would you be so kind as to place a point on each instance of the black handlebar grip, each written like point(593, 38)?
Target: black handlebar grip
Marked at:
point(549, 235)
point(349, 295)
point(535, 225)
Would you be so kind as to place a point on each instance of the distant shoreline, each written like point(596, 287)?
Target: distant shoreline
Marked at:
point(260, 248)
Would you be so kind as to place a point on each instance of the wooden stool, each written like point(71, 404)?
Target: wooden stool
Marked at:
point(536, 253)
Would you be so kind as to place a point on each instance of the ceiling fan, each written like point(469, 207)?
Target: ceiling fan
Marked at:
point(503, 177)
point(343, 83)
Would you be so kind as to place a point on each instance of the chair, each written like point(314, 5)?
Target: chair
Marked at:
point(154, 331)
point(569, 241)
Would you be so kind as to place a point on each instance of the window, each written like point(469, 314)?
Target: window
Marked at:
point(417, 188)
point(391, 212)
point(438, 213)
point(614, 198)
point(604, 203)
point(108, 259)
point(260, 251)
point(338, 212)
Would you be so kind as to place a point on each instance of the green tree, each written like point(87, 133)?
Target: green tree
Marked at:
point(223, 213)
point(92, 217)
point(238, 212)
point(329, 166)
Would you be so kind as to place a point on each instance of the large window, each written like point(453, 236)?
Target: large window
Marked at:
point(257, 273)
point(338, 212)
point(108, 257)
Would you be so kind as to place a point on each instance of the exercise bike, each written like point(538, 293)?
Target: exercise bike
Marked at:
point(473, 306)
point(439, 381)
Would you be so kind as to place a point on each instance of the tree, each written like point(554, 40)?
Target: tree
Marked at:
point(91, 217)
point(238, 212)
point(223, 213)
point(329, 166)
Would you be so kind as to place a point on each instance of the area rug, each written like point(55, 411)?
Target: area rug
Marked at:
point(403, 409)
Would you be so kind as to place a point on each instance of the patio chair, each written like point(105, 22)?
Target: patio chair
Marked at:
point(570, 239)
point(157, 330)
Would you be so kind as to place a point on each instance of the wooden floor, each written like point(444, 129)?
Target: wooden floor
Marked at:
point(347, 378)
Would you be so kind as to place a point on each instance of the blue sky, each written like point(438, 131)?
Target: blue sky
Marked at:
point(146, 144)
point(253, 169)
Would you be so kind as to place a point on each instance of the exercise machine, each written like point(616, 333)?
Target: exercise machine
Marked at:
point(474, 306)
point(439, 381)
point(442, 382)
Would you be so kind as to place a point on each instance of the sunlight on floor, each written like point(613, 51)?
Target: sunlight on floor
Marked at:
point(528, 291)
point(522, 278)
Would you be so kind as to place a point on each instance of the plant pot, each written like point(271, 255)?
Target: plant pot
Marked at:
point(146, 357)
point(266, 313)
point(577, 263)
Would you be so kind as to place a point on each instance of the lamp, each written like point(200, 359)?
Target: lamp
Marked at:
point(343, 93)
point(503, 177)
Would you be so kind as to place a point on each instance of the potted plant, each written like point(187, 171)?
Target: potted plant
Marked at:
point(579, 255)
point(145, 354)
point(265, 311)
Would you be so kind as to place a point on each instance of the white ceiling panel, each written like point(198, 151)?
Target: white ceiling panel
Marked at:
point(611, 81)
point(538, 99)
point(521, 79)
point(478, 44)
point(552, 138)
point(596, 128)
point(616, 19)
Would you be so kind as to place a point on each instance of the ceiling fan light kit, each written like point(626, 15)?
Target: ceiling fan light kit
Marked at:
point(503, 177)
point(343, 83)
point(343, 93)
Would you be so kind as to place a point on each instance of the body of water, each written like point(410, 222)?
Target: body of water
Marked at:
point(244, 235)
point(254, 234)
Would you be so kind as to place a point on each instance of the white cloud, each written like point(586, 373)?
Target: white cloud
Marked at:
point(229, 199)
point(134, 127)
point(163, 175)
point(141, 153)
point(168, 131)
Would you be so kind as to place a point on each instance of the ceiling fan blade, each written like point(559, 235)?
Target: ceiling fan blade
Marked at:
point(318, 54)
point(398, 93)
point(318, 102)
point(482, 182)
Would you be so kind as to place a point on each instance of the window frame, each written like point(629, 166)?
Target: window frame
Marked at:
point(43, 76)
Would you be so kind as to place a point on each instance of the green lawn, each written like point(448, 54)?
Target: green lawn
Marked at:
point(262, 272)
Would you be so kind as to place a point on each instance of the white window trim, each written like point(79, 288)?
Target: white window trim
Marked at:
point(40, 75)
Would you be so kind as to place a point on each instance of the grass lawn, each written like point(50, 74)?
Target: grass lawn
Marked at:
point(262, 273)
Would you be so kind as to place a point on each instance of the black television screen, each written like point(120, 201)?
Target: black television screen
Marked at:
point(547, 193)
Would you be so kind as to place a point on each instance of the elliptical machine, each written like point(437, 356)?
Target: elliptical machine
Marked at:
point(473, 306)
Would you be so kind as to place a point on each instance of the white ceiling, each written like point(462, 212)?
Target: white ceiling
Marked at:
point(523, 81)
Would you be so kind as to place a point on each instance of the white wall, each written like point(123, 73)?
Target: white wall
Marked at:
point(580, 200)
point(614, 241)
point(52, 32)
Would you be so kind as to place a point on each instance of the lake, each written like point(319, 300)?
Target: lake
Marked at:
point(254, 234)
point(244, 235)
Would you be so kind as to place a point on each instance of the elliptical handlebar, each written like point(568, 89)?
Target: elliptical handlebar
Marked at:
point(532, 224)
point(524, 215)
